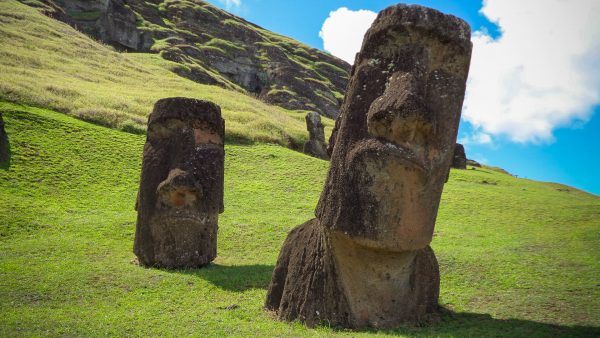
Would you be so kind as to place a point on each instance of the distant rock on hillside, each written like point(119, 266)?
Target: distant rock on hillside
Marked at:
point(214, 47)
point(4, 152)
point(459, 160)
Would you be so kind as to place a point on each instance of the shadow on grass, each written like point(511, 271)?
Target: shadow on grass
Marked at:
point(235, 278)
point(464, 324)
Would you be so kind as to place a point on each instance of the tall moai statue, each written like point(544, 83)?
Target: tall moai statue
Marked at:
point(181, 186)
point(365, 260)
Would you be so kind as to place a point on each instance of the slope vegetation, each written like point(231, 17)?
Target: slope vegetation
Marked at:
point(47, 63)
point(214, 47)
point(517, 257)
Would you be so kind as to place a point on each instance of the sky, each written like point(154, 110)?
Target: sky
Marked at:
point(532, 104)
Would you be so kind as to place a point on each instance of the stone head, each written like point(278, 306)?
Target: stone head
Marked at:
point(394, 139)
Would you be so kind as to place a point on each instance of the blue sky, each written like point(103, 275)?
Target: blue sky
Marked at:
point(532, 104)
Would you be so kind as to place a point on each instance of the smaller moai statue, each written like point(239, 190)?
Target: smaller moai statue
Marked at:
point(4, 154)
point(316, 145)
point(181, 185)
point(459, 161)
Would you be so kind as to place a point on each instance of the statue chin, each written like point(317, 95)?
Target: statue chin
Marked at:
point(184, 239)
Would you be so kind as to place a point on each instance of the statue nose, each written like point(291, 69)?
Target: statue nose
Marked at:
point(178, 190)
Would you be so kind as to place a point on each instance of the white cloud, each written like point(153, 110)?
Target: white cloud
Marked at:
point(543, 72)
point(477, 137)
point(229, 4)
point(343, 32)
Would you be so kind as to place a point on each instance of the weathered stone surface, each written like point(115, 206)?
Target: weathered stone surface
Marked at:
point(4, 148)
point(473, 163)
point(459, 160)
point(392, 148)
point(315, 146)
point(181, 185)
point(217, 48)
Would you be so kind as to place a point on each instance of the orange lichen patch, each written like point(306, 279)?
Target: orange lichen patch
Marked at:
point(203, 136)
point(182, 196)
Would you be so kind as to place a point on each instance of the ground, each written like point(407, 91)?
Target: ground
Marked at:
point(517, 257)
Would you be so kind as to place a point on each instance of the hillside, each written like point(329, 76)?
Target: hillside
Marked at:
point(213, 47)
point(49, 64)
point(517, 257)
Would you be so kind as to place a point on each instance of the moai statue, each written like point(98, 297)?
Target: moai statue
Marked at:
point(459, 160)
point(365, 260)
point(181, 186)
point(316, 145)
point(4, 153)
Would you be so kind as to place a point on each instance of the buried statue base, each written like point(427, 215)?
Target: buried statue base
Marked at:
point(367, 288)
point(365, 260)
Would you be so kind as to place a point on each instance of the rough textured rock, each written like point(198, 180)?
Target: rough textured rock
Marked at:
point(315, 146)
point(473, 163)
point(181, 185)
point(459, 161)
point(215, 47)
point(365, 260)
point(4, 148)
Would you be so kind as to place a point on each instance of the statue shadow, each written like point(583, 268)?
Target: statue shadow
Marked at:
point(465, 324)
point(236, 278)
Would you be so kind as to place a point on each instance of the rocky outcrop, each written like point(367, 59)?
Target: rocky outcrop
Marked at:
point(315, 146)
point(181, 185)
point(473, 163)
point(4, 147)
point(365, 260)
point(215, 47)
point(459, 161)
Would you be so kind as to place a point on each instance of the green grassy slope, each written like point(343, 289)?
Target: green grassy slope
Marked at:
point(48, 64)
point(517, 257)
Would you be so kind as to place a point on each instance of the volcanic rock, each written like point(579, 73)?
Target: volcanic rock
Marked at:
point(473, 163)
point(459, 161)
point(4, 151)
point(181, 186)
point(365, 260)
point(215, 47)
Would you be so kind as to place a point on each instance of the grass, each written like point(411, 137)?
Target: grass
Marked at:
point(517, 257)
point(85, 15)
point(48, 64)
point(224, 44)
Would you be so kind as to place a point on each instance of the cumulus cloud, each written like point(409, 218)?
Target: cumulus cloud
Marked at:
point(343, 32)
point(229, 4)
point(542, 73)
point(477, 138)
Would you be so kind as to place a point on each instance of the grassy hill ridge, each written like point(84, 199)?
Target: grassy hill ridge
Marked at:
point(46, 63)
point(212, 46)
point(517, 257)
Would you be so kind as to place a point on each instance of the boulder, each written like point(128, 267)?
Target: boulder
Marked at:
point(4, 147)
point(459, 161)
point(181, 185)
point(473, 163)
point(315, 146)
point(365, 260)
